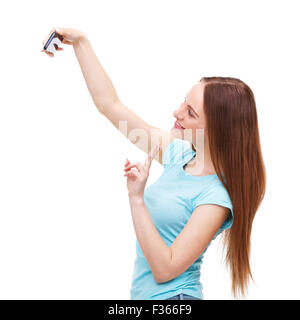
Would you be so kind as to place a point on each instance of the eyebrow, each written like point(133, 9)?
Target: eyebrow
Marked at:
point(191, 108)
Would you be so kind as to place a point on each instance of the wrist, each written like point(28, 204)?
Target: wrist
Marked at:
point(134, 199)
point(80, 41)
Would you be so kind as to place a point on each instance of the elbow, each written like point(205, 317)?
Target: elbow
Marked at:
point(105, 106)
point(165, 273)
point(162, 277)
point(159, 279)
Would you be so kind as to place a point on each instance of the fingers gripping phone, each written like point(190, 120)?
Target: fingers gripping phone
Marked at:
point(53, 42)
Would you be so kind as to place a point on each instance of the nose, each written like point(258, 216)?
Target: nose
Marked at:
point(177, 114)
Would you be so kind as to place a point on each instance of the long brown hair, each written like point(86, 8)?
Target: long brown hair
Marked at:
point(232, 128)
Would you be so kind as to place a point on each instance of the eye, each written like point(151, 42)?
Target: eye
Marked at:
point(190, 113)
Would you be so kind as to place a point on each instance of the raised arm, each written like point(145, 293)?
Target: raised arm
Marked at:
point(97, 80)
point(106, 99)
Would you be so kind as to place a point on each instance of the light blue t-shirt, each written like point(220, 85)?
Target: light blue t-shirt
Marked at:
point(171, 200)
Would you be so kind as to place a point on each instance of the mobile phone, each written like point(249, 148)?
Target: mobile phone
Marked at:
point(53, 42)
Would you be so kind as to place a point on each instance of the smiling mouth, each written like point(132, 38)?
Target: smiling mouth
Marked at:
point(178, 125)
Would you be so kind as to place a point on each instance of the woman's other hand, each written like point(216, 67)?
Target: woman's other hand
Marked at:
point(136, 179)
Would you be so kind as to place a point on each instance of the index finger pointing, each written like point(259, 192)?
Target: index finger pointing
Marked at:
point(155, 150)
point(152, 154)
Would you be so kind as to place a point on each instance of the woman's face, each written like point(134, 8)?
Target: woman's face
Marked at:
point(190, 115)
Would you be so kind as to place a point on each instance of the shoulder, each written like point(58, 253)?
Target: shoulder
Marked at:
point(216, 194)
point(213, 191)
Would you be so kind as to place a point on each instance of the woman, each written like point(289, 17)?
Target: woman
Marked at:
point(213, 181)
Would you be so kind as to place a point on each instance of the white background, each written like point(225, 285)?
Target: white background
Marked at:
point(65, 225)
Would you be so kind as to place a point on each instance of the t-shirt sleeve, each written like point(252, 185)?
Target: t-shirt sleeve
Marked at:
point(217, 195)
point(176, 153)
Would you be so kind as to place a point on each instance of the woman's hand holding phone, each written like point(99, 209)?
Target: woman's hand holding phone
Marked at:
point(70, 37)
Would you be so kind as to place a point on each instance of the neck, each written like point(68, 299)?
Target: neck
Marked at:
point(202, 161)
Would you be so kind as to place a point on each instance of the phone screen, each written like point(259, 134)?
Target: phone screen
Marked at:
point(53, 42)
